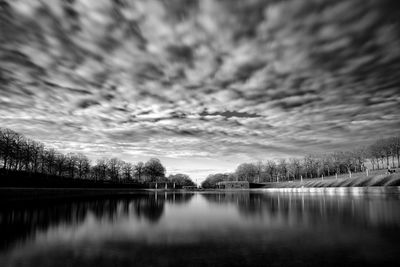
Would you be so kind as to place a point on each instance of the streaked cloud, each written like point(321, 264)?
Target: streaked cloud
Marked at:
point(230, 80)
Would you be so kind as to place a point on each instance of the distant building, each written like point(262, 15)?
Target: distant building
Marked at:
point(233, 185)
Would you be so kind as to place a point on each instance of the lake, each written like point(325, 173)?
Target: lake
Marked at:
point(336, 227)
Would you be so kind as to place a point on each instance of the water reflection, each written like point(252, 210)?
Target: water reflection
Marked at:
point(19, 220)
point(247, 228)
point(314, 208)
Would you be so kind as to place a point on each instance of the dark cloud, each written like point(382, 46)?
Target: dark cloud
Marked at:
point(230, 114)
point(85, 103)
point(180, 53)
point(228, 79)
point(179, 10)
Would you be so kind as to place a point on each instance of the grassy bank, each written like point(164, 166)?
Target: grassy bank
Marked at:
point(360, 181)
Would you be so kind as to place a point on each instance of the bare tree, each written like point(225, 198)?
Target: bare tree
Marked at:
point(7, 141)
point(294, 168)
point(283, 169)
point(82, 165)
point(61, 163)
point(99, 170)
point(127, 171)
point(308, 166)
point(271, 169)
point(50, 156)
point(260, 168)
point(37, 151)
point(138, 170)
point(72, 162)
point(114, 168)
point(394, 144)
point(247, 172)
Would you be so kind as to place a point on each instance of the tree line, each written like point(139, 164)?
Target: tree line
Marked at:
point(380, 154)
point(21, 154)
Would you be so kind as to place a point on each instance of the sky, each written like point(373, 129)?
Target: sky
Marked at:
point(202, 85)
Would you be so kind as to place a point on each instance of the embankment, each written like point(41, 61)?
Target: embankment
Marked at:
point(363, 181)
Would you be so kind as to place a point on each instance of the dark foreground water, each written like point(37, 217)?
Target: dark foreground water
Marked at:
point(340, 227)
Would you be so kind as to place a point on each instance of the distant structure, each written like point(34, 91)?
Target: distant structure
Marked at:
point(233, 185)
point(390, 170)
point(191, 187)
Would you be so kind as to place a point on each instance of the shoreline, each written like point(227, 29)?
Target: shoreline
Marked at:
point(10, 194)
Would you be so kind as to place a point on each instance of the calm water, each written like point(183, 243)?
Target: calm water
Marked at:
point(259, 228)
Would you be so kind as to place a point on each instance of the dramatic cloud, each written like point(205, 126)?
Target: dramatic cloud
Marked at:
point(203, 85)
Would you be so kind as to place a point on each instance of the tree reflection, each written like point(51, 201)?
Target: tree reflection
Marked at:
point(178, 198)
point(312, 209)
point(150, 208)
point(19, 220)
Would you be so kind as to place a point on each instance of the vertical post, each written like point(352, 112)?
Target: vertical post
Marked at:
point(156, 185)
point(166, 186)
point(174, 185)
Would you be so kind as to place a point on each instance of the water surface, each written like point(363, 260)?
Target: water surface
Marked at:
point(250, 228)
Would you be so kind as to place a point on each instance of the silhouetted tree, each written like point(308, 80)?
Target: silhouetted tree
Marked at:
point(127, 171)
point(114, 168)
point(181, 179)
point(72, 161)
point(138, 170)
point(61, 163)
point(82, 165)
point(7, 146)
point(154, 170)
point(212, 180)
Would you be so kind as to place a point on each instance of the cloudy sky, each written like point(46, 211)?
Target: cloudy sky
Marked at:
point(203, 85)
